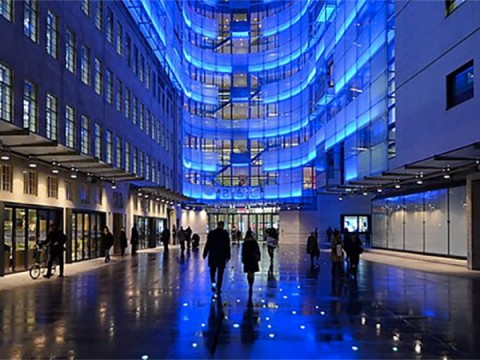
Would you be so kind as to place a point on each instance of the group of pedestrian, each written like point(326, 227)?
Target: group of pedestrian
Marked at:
point(349, 249)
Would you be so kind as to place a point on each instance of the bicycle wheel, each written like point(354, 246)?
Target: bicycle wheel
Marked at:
point(35, 271)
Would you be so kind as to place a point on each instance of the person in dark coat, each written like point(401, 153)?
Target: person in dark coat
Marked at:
point(250, 258)
point(181, 238)
point(165, 239)
point(134, 239)
point(107, 240)
point(195, 242)
point(123, 241)
point(188, 237)
point(348, 246)
point(217, 249)
point(329, 234)
point(312, 249)
point(174, 234)
point(56, 240)
point(355, 251)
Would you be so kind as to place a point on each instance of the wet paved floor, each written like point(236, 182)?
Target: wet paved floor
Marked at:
point(161, 307)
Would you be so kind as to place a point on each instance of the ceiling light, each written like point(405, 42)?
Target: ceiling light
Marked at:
point(446, 176)
point(5, 157)
point(55, 170)
point(114, 185)
point(419, 182)
point(379, 190)
point(365, 193)
point(397, 186)
point(73, 176)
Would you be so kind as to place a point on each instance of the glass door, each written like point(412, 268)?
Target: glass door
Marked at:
point(86, 237)
point(19, 235)
point(32, 239)
point(73, 250)
point(9, 245)
point(79, 238)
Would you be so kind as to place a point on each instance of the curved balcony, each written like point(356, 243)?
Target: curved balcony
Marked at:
point(200, 160)
point(199, 24)
point(285, 19)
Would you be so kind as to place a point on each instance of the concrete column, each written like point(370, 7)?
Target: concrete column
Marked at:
point(473, 224)
point(2, 238)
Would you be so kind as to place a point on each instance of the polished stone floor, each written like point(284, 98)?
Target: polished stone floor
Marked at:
point(157, 306)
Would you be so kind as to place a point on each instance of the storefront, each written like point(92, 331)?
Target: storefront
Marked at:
point(24, 227)
point(149, 231)
point(86, 237)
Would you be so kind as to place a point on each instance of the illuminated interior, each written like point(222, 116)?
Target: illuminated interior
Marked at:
point(282, 99)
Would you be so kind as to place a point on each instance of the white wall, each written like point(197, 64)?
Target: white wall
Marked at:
point(429, 46)
point(197, 220)
point(296, 225)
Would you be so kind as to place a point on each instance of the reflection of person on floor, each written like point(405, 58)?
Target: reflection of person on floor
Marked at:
point(217, 249)
point(336, 254)
point(272, 242)
point(165, 239)
point(123, 241)
point(56, 241)
point(134, 239)
point(312, 249)
point(250, 259)
point(107, 240)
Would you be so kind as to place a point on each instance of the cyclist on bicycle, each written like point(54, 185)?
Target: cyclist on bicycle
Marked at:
point(56, 240)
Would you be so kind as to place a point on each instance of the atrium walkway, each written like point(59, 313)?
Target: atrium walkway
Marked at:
point(160, 306)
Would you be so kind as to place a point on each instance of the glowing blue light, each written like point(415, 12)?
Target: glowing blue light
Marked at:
point(240, 34)
point(325, 13)
point(287, 24)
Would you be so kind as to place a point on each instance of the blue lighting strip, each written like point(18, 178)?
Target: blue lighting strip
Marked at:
point(288, 24)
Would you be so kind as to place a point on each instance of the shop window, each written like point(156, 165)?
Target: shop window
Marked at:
point(52, 187)
point(69, 190)
point(30, 183)
point(7, 178)
point(460, 85)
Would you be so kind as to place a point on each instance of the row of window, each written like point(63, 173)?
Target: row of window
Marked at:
point(30, 186)
point(93, 140)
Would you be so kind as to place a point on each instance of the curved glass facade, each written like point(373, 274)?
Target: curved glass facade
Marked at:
point(281, 98)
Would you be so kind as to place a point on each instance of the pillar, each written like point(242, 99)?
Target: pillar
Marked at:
point(473, 224)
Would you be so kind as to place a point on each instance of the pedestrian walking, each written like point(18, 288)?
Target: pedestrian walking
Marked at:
point(272, 243)
point(348, 247)
point(181, 238)
point(336, 253)
point(329, 234)
point(217, 249)
point(355, 252)
point(56, 241)
point(123, 241)
point(234, 235)
point(174, 234)
point(134, 239)
point(250, 258)
point(312, 249)
point(195, 242)
point(188, 237)
point(165, 239)
point(107, 240)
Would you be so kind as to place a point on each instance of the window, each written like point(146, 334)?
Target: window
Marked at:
point(127, 103)
point(147, 122)
point(109, 86)
point(135, 161)
point(128, 49)
point(84, 194)
point(85, 69)
point(118, 152)
point(135, 110)
point(109, 149)
point(5, 93)
point(30, 108)
point(142, 116)
point(141, 163)
point(147, 167)
point(69, 190)
point(119, 39)
point(6, 9)
point(451, 5)
point(85, 135)
point(127, 156)
point(30, 183)
point(70, 126)
point(99, 15)
point(147, 79)
point(135, 59)
point(70, 51)
point(30, 19)
point(460, 85)
point(51, 117)
point(97, 142)
point(52, 187)
point(110, 27)
point(52, 35)
point(98, 77)
point(86, 7)
point(119, 95)
point(7, 178)
point(142, 68)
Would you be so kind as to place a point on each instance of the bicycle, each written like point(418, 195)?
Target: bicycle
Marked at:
point(40, 254)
